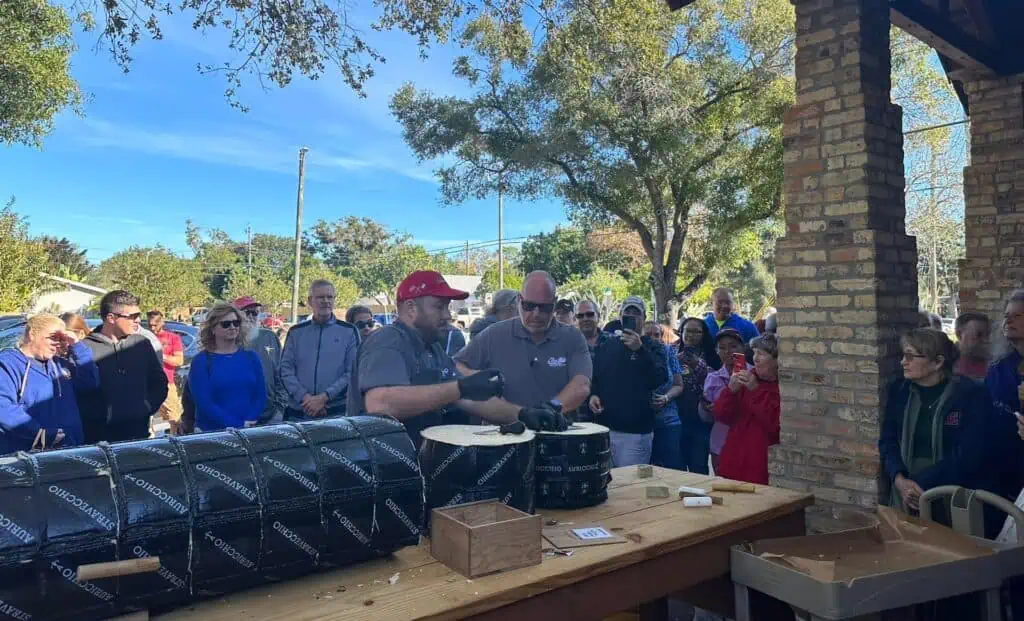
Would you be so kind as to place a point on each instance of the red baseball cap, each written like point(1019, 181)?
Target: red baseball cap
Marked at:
point(422, 283)
point(245, 302)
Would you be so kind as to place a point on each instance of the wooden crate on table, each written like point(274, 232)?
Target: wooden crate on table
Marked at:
point(480, 538)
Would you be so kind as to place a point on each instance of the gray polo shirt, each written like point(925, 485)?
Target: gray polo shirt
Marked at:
point(534, 372)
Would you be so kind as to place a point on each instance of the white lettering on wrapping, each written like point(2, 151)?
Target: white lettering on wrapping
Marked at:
point(448, 461)
point(163, 572)
point(496, 467)
point(159, 451)
point(548, 469)
point(350, 527)
point(456, 499)
point(12, 470)
point(284, 430)
point(397, 454)
point(348, 463)
point(167, 499)
point(13, 611)
point(18, 532)
point(587, 468)
point(229, 550)
point(294, 539)
point(232, 484)
point(95, 514)
point(225, 442)
point(85, 460)
point(293, 473)
point(71, 576)
point(390, 504)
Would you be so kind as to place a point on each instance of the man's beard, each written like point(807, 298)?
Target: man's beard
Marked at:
point(428, 332)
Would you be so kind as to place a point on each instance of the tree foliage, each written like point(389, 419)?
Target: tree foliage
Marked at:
point(160, 278)
point(21, 262)
point(36, 45)
point(65, 258)
point(513, 276)
point(563, 253)
point(348, 241)
point(662, 122)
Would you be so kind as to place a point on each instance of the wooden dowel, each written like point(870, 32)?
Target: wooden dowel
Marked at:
point(95, 571)
point(739, 488)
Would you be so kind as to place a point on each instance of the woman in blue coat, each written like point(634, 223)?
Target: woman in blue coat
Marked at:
point(38, 380)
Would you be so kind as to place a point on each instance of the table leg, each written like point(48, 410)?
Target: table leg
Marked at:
point(655, 610)
point(742, 594)
point(993, 605)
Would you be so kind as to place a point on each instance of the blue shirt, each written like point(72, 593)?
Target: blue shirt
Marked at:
point(228, 389)
point(744, 326)
point(1004, 446)
point(669, 415)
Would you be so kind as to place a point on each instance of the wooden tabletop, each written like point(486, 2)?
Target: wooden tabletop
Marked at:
point(669, 548)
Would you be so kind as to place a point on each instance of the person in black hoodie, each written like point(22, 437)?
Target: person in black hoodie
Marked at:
point(132, 380)
point(627, 370)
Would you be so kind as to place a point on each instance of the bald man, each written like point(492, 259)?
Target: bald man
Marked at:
point(545, 363)
point(723, 316)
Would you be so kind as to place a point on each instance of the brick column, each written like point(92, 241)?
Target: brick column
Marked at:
point(846, 269)
point(994, 195)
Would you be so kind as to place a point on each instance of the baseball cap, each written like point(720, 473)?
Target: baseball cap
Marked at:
point(423, 283)
point(636, 302)
point(245, 302)
point(730, 333)
point(564, 305)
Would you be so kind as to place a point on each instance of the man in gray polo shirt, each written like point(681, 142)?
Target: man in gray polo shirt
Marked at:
point(545, 363)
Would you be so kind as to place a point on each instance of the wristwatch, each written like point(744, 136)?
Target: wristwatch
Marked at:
point(555, 404)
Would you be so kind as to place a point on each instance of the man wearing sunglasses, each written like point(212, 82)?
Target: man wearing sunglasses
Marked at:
point(267, 347)
point(546, 364)
point(132, 380)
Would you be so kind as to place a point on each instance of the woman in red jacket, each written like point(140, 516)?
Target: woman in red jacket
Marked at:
point(750, 406)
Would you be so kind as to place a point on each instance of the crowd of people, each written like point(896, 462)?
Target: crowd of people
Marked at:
point(703, 392)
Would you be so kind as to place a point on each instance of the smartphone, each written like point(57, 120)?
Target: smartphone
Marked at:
point(629, 323)
point(739, 363)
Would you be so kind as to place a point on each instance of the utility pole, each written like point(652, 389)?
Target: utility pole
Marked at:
point(248, 243)
point(501, 225)
point(298, 233)
point(467, 256)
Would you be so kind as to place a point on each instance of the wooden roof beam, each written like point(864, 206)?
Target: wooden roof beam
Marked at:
point(946, 37)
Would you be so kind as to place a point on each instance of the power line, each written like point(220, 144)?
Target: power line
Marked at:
point(931, 127)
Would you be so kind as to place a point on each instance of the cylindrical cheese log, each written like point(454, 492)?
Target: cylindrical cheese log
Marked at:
point(573, 466)
point(697, 501)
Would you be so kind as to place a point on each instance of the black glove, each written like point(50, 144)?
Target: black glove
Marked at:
point(482, 385)
point(543, 419)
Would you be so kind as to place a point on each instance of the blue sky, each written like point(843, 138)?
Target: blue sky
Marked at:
point(160, 144)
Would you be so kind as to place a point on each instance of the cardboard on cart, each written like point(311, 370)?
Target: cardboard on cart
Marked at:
point(900, 560)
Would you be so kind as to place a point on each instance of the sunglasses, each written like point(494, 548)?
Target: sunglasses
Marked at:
point(132, 317)
point(362, 325)
point(589, 315)
point(532, 306)
point(252, 312)
point(230, 323)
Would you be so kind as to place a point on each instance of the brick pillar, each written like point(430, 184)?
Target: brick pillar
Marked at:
point(846, 269)
point(994, 195)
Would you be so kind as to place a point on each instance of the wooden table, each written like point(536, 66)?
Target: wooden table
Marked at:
point(670, 549)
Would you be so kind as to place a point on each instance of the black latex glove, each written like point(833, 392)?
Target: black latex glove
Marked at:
point(543, 419)
point(482, 385)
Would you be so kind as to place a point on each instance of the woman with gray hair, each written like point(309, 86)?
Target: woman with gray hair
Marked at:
point(226, 380)
point(750, 405)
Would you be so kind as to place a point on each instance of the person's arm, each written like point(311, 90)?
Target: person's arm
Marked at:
point(495, 411)
point(404, 402)
point(677, 387)
point(85, 375)
point(581, 369)
point(156, 381)
point(474, 356)
point(201, 385)
point(15, 421)
point(762, 408)
point(889, 435)
point(727, 408)
point(174, 355)
point(259, 389)
point(575, 393)
point(289, 374)
point(340, 385)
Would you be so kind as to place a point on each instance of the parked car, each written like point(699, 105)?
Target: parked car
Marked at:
point(11, 329)
point(199, 316)
point(465, 316)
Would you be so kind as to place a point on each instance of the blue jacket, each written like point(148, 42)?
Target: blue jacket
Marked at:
point(36, 395)
point(1002, 381)
point(744, 326)
point(228, 389)
point(965, 418)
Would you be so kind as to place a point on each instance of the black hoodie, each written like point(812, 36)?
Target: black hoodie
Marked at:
point(132, 388)
point(625, 381)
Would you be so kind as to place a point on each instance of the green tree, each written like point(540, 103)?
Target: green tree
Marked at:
point(351, 240)
point(664, 122)
point(21, 258)
point(65, 258)
point(216, 256)
point(489, 279)
point(36, 45)
point(563, 253)
point(346, 289)
point(606, 287)
point(160, 278)
point(378, 276)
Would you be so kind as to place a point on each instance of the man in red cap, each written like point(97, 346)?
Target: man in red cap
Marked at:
point(403, 371)
point(265, 344)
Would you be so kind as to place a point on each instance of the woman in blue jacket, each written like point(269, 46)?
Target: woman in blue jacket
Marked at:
point(225, 379)
point(38, 380)
point(933, 427)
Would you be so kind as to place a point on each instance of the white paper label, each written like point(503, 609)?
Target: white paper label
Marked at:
point(595, 532)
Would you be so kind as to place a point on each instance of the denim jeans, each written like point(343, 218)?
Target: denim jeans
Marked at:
point(665, 447)
point(629, 449)
point(694, 446)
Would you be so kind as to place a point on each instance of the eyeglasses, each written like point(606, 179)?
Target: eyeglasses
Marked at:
point(131, 317)
point(230, 323)
point(589, 315)
point(532, 306)
point(362, 325)
point(909, 355)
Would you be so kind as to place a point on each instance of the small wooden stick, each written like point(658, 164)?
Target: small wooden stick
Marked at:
point(95, 571)
point(738, 488)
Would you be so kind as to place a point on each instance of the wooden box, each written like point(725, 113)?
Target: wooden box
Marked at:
point(479, 538)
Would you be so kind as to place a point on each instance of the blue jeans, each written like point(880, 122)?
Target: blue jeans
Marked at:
point(694, 446)
point(629, 449)
point(665, 448)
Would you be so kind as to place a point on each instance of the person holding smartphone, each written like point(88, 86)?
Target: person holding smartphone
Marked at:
point(728, 343)
point(695, 430)
point(38, 380)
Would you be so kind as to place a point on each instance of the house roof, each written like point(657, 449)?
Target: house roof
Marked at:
point(74, 284)
point(463, 282)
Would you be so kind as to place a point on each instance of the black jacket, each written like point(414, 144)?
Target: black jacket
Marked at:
point(132, 388)
point(625, 381)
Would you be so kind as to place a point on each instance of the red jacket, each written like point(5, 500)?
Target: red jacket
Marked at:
point(753, 419)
